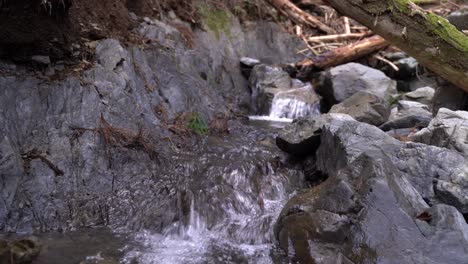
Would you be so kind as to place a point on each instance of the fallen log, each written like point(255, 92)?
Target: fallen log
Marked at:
point(299, 16)
point(429, 38)
point(338, 37)
point(341, 55)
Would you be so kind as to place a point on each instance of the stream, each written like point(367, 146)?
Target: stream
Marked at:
point(228, 191)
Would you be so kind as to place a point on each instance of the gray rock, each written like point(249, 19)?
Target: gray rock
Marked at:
point(249, 62)
point(422, 95)
point(41, 59)
point(459, 19)
point(449, 129)
point(451, 97)
point(340, 83)
point(302, 136)
point(377, 189)
point(364, 107)
point(106, 185)
point(408, 115)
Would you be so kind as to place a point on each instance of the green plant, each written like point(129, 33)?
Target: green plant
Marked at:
point(197, 124)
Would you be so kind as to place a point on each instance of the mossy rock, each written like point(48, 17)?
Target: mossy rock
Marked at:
point(217, 20)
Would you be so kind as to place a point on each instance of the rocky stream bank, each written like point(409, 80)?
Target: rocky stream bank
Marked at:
point(147, 155)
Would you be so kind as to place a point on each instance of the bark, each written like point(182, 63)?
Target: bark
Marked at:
point(431, 39)
point(341, 55)
point(299, 16)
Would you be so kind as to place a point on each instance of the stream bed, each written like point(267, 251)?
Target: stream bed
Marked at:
point(228, 194)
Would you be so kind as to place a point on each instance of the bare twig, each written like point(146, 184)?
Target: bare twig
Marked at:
point(380, 58)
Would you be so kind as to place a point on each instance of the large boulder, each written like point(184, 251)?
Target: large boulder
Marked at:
point(365, 107)
point(302, 136)
point(340, 83)
point(449, 129)
point(379, 189)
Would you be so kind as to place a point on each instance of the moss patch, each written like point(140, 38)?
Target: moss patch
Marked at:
point(448, 32)
point(198, 125)
point(402, 5)
point(217, 20)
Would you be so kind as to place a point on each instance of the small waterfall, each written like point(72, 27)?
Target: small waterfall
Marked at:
point(287, 106)
point(291, 108)
point(235, 196)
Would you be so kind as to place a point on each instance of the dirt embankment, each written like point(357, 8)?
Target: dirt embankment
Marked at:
point(56, 28)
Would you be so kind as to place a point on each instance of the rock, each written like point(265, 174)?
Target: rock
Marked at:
point(340, 83)
point(249, 62)
point(409, 115)
point(41, 59)
point(375, 181)
point(247, 65)
point(272, 86)
point(24, 251)
point(364, 107)
point(110, 53)
point(449, 129)
point(422, 95)
point(126, 85)
point(5, 255)
point(395, 56)
point(407, 68)
point(451, 97)
point(302, 137)
point(459, 19)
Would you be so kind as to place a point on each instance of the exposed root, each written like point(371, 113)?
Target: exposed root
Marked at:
point(120, 137)
point(35, 154)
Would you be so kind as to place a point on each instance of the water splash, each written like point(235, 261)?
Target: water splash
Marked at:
point(286, 108)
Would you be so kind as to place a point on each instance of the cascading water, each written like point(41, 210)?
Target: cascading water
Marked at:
point(232, 194)
point(286, 108)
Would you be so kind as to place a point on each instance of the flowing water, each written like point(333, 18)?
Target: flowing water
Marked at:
point(221, 205)
point(284, 109)
point(235, 190)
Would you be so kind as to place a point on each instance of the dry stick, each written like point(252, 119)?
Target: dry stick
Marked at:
point(342, 55)
point(347, 27)
point(339, 37)
point(380, 58)
point(299, 16)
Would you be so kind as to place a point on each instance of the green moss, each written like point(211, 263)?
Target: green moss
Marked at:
point(448, 32)
point(197, 124)
point(217, 20)
point(401, 5)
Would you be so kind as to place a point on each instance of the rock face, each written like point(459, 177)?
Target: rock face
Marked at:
point(379, 189)
point(340, 83)
point(364, 107)
point(275, 93)
point(59, 171)
point(449, 129)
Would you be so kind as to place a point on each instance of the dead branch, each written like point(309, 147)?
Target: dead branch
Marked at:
point(299, 16)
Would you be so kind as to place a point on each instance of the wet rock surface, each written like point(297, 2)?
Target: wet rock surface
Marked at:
point(374, 207)
point(408, 114)
point(340, 83)
point(60, 169)
point(364, 107)
point(275, 93)
point(448, 129)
